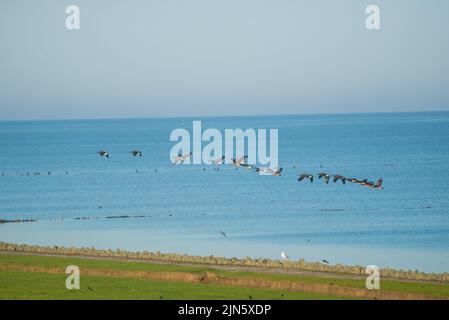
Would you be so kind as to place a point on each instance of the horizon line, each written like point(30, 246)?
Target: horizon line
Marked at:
point(222, 116)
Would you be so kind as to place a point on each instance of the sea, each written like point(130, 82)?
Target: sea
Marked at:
point(50, 172)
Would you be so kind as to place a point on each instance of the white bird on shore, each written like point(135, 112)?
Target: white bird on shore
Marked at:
point(284, 256)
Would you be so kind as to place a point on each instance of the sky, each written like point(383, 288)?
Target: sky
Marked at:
point(177, 58)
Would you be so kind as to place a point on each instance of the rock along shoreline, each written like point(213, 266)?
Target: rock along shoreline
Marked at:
point(300, 265)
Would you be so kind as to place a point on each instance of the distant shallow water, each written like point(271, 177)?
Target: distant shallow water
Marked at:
point(79, 234)
point(183, 209)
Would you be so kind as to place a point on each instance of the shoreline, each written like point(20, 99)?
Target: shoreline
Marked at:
point(266, 265)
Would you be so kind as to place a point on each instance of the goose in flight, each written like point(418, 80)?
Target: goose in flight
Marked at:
point(325, 175)
point(218, 160)
point(305, 176)
point(238, 162)
point(103, 153)
point(284, 256)
point(136, 153)
point(354, 180)
point(274, 172)
point(249, 166)
point(363, 182)
point(378, 184)
point(366, 183)
point(264, 170)
point(181, 158)
point(223, 234)
point(277, 172)
point(338, 177)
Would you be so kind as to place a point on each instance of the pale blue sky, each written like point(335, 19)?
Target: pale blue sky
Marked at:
point(221, 57)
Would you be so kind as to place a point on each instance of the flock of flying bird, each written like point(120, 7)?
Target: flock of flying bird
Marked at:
point(326, 176)
point(135, 153)
point(241, 162)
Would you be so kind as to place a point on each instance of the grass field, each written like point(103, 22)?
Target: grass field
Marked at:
point(43, 277)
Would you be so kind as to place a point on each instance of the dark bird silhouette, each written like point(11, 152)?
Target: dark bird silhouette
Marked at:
point(136, 153)
point(366, 183)
point(325, 261)
point(353, 180)
point(103, 153)
point(325, 176)
point(338, 177)
point(223, 234)
point(304, 176)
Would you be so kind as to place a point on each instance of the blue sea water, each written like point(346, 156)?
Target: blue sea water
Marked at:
point(182, 209)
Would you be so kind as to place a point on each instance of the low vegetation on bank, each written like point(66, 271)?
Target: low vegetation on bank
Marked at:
point(212, 260)
point(39, 276)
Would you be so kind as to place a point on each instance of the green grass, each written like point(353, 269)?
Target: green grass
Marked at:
point(32, 285)
point(63, 262)
point(36, 285)
point(427, 288)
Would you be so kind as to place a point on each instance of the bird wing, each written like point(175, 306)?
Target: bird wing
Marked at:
point(241, 159)
point(270, 170)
